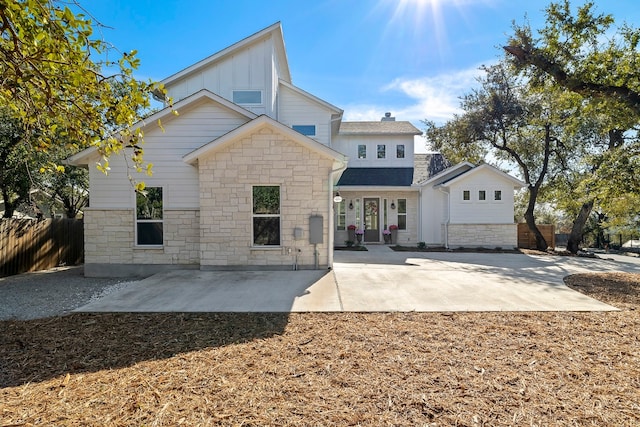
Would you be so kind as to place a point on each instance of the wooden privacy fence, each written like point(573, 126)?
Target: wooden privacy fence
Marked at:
point(527, 240)
point(32, 245)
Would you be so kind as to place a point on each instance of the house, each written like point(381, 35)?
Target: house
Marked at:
point(246, 174)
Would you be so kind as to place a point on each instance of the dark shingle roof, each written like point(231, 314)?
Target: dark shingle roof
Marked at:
point(395, 177)
point(428, 165)
point(380, 128)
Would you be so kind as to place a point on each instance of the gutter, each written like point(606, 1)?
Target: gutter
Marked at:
point(448, 219)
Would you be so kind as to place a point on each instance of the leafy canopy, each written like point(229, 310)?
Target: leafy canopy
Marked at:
point(60, 80)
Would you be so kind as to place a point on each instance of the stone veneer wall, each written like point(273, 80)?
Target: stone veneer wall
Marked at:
point(483, 235)
point(227, 177)
point(109, 242)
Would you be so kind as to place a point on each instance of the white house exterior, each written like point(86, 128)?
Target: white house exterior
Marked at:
point(245, 178)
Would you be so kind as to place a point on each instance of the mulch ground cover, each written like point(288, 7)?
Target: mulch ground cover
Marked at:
point(374, 369)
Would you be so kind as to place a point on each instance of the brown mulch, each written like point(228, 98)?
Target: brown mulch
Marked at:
point(375, 369)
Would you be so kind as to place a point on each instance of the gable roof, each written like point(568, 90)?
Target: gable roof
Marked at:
point(485, 166)
point(274, 31)
point(321, 102)
point(386, 177)
point(82, 158)
point(381, 127)
point(255, 125)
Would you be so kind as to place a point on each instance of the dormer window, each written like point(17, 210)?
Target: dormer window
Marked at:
point(247, 97)
point(308, 130)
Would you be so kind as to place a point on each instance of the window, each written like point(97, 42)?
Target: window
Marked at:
point(466, 195)
point(341, 216)
point(266, 215)
point(402, 214)
point(253, 97)
point(308, 130)
point(149, 217)
point(400, 151)
point(382, 151)
point(482, 195)
point(362, 151)
point(497, 195)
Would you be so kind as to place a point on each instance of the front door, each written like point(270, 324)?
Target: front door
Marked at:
point(371, 220)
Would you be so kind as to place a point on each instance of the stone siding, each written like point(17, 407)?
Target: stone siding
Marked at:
point(227, 178)
point(109, 238)
point(483, 235)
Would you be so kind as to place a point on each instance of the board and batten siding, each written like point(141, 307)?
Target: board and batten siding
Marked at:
point(295, 109)
point(193, 128)
point(348, 145)
point(433, 212)
point(487, 211)
point(250, 68)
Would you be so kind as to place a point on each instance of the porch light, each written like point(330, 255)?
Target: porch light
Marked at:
point(350, 205)
point(337, 198)
point(393, 204)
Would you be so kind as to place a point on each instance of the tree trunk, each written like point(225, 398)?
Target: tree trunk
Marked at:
point(578, 227)
point(541, 243)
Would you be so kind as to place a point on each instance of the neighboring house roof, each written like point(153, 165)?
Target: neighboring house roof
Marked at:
point(393, 177)
point(379, 128)
point(255, 125)
point(274, 30)
point(84, 157)
point(428, 165)
point(517, 184)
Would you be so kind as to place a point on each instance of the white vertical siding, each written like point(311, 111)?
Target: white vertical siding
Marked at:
point(487, 211)
point(433, 213)
point(295, 109)
point(348, 145)
point(248, 68)
point(195, 127)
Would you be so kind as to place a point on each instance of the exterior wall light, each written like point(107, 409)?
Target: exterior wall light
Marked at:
point(393, 204)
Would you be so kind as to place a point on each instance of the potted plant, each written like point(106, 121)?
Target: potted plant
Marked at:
point(393, 229)
point(351, 233)
point(387, 236)
point(359, 234)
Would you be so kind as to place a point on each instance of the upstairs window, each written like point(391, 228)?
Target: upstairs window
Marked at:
point(466, 195)
point(382, 151)
point(308, 130)
point(247, 97)
point(497, 195)
point(400, 151)
point(362, 151)
point(266, 215)
point(149, 217)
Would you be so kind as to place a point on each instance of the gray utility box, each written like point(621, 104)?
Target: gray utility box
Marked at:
point(315, 229)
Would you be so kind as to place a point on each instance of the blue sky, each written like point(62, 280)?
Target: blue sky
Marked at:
point(414, 58)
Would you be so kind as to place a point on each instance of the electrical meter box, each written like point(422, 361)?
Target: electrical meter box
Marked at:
point(315, 229)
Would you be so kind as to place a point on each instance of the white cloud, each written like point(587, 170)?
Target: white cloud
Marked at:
point(435, 98)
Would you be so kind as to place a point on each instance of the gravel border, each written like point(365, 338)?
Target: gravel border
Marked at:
point(50, 293)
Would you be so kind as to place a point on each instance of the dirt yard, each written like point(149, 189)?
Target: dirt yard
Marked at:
point(399, 369)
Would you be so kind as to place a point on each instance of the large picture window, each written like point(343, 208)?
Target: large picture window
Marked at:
point(149, 217)
point(266, 215)
point(402, 214)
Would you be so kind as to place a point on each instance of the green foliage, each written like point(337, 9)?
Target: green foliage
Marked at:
point(15, 180)
point(59, 80)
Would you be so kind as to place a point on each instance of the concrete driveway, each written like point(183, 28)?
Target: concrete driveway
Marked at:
point(377, 280)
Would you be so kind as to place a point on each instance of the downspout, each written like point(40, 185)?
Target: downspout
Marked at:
point(330, 221)
point(448, 218)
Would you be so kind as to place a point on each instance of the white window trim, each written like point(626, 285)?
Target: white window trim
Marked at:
point(485, 196)
point(377, 152)
point(404, 214)
point(404, 151)
point(358, 152)
point(462, 199)
point(253, 246)
point(248, 103)
point(137, 245)
point(501, 200)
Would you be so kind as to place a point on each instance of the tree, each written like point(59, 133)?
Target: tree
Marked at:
point(511, 122)
point(570, 51)
point(59, 80)
point(14, 165)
